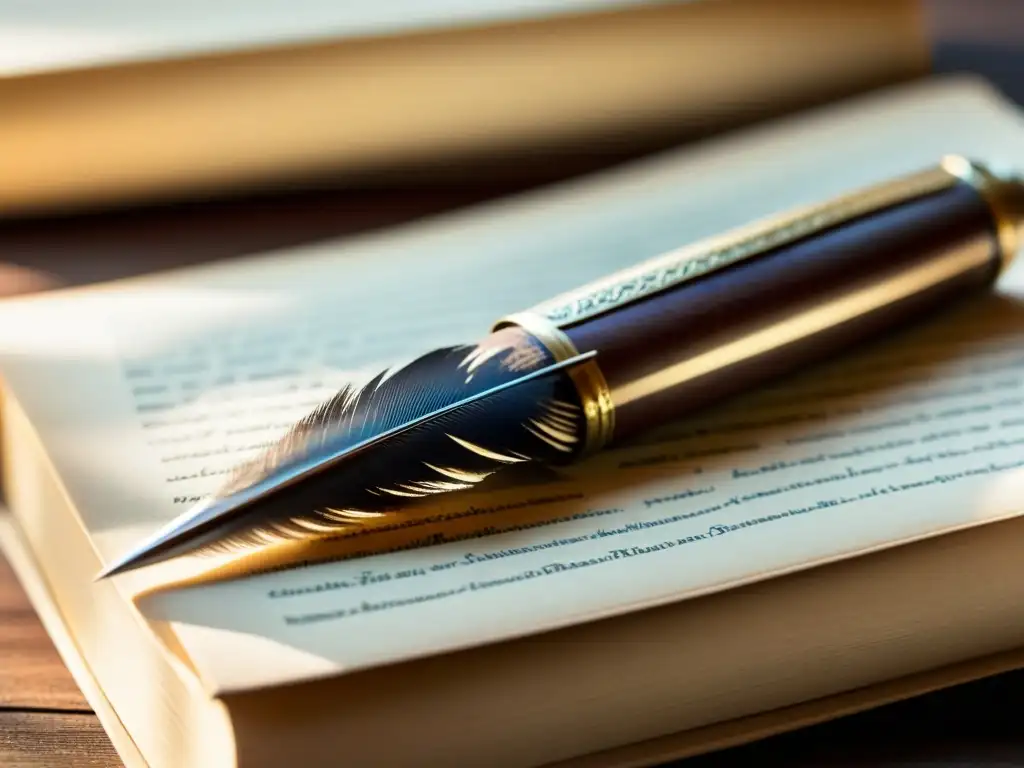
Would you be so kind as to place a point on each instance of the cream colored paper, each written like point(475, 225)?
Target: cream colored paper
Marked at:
point(129, 389)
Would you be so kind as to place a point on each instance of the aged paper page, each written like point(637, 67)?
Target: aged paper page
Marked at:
point(147, 393)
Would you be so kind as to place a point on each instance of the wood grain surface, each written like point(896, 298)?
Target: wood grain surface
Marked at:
point(54, 740)
point(44, 719)
point(33, 676)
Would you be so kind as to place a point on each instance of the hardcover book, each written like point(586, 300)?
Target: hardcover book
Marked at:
point(108, 102)
point(842, 538)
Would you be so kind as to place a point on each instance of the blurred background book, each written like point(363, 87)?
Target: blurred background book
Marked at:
point(139, 136)
point(109, 101)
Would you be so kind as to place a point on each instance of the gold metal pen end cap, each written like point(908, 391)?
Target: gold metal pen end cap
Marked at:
point(1003, 190)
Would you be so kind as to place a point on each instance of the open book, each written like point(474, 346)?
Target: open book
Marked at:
point(113, 101)
point(842, 538)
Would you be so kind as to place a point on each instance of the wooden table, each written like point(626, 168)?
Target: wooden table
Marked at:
point(44, 719)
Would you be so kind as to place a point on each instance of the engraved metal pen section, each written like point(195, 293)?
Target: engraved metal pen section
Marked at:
point(584, 370)
point(693, 326)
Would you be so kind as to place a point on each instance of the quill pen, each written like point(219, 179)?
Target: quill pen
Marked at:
point(604, 362)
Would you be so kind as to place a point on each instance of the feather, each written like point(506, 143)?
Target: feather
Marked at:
point(445, 422)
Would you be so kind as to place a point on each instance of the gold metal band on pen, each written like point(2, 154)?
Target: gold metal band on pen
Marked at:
point(1003, 197)
point(595, 395)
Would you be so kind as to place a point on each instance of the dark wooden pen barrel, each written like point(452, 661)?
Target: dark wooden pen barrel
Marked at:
point(729, 330)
